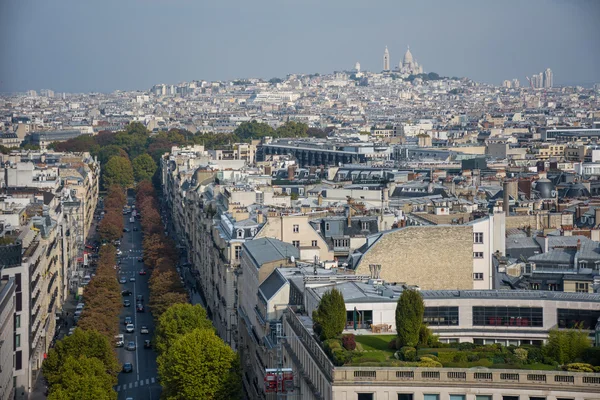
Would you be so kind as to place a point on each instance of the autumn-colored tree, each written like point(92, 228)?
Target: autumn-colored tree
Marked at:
point(111, 226)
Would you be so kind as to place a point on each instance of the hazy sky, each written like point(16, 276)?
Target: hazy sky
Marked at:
point(103, 45)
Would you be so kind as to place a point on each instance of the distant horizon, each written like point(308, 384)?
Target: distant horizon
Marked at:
point(81, 47)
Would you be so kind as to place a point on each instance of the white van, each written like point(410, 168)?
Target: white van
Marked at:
point(119, 340)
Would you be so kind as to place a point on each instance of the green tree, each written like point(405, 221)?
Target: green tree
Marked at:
point(178, 320)
point(409, 318)
point(253, 130)
point(292, 129)
point(118, 171)
point(83, 378)
point(196, 366)
point(87, 343)
point(330, 316)
point(107, 152)
point(143, 167)
point(566, 346)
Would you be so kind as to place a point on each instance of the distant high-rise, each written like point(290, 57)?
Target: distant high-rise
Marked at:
point(386, 59)
point(357, 67)
point(516, 84)
point(548, 78)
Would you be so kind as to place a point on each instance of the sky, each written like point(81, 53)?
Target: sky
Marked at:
point(104, 45)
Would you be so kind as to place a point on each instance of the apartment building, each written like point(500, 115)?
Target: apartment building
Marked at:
point(7, 327)
point(431, 256)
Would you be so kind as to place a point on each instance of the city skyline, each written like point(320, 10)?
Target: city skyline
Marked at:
point(115, 47)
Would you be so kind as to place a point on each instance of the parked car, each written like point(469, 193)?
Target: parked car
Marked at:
point(147, 344)
point(126, 303)
point(127, 367)
point(135, 228)
point(131, 346)
point(128, 320)
point(126, 292)
point(125, 229)
point(144, 330)
point(140, 259)
point(123, 280)
point(119, 340)
point(71, 330)
point(129, 328)
point(140, 298)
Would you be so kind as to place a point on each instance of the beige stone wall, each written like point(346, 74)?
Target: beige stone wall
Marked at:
point(432, 257)
point(541, 221)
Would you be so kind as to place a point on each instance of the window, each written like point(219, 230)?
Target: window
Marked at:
point(569, 318)
point(508, 316)
point(296, 228)
point(536, 398)
point(478, 237)
point(238, 252)
point(240, 233)
point(19, 301)
point(440, 316)
point(483, 397)
point(365, 226)
point(431, 397)
point(478, 254)
point(457, 397)
point(582, 287)
point(17, 341)
point(327, 226)
point(582, 264)
point(314, 243)
point(478, 276)
point(405, 396)
point(510, 397)
point(18, 360)
point(17, 321)
point(296, 243)
point(366, 396)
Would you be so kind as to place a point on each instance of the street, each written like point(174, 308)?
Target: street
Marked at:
point(142, 382)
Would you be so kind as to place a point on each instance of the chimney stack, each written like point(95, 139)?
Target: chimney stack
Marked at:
point(578, 244)
point(597, 216)
point(320, 199)
point(268, 170)
point(506, 198)
point(291, 172)
point(260, 218)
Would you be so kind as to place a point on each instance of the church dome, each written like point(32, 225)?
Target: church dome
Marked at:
point(408, 58)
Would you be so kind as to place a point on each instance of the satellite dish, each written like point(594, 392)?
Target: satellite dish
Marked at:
point(292, 259)
point(553, 193)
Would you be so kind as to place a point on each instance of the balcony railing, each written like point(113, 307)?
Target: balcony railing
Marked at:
point(542, 380)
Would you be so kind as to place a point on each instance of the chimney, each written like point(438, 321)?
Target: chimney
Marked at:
point(506, 198)
point(545, 244)
point(597, 216)
point(320, 199)
point(291, 172)
point(260, 218)
point(349, 216)
point(268, 170)
point(578, 244)
point(430, 186)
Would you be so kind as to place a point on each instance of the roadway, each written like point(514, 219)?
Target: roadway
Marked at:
point(142, 383)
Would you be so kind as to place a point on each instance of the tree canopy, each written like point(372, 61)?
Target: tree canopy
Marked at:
point(330, 316)
point(118, 171)
point(197, 365)
point(409, 317)
point(143, 167)
point(178, 320)
point(83, 378)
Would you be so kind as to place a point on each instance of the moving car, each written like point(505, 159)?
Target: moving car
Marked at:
point(131, 346)
point(71, 331)
point(135, 228)
point(147, 344)
point(128, 320)
point(119, 340)
point(126, 292)
point(126, 303)
point(144, 330)
point(132, 279)
point(140, 308)
point(125, 229)
point(129, 328)
point(140, 259)
point(127, 367)
point(143, 272)
point(140, 298)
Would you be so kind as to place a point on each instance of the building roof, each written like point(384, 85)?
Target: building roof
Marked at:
point(272, 284)
point(267, 250)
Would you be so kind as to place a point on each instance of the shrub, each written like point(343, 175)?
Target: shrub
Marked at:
point(460, 357)
point(472, 357)
point(521, 354)
point(466, 346)
point(427, 362)
point(430, 357)
point(341, 357)
point(534, 354)
point(349, 342)
point(408, 353)
point(597, 369)
point(331, 345)
point(578, 367)
point(392, 344)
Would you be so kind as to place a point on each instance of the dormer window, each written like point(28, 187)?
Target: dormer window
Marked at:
point(583, 264)
point(365, 226)
point(240, 233)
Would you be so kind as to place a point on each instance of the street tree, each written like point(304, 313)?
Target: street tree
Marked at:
point(409, 317)
point(144, 167)
point(330, 315)
point(196, 366)
point(118, 171)
point(83, 378)
point(178, 320)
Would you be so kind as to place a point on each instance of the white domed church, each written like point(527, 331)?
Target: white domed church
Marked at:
point(409, 65)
